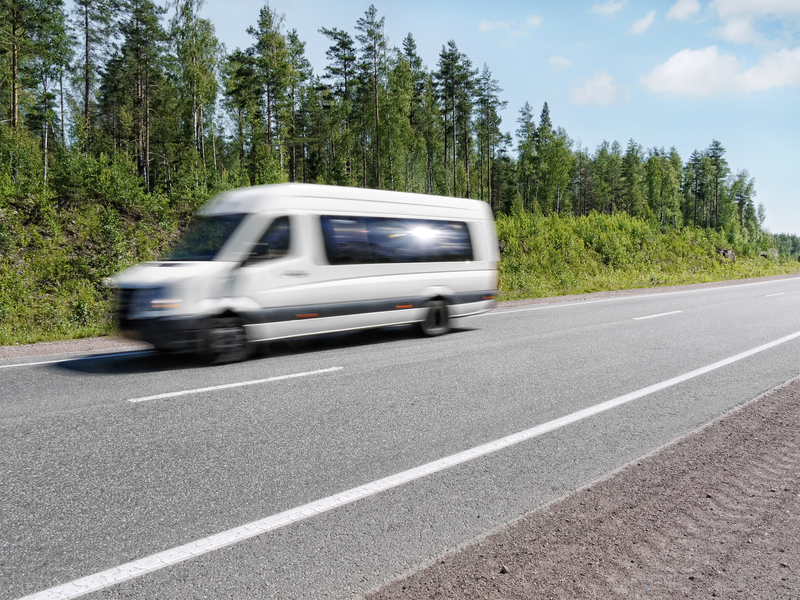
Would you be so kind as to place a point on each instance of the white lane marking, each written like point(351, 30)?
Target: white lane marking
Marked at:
point(61, 360)
point(232, 385)
point(508, 311)
point(143, 566)
point(771, 295)
point(674, 312)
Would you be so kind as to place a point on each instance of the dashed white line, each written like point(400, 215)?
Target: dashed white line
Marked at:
point(131, 570)
point(226, 386)
point(771, 295)
point(672, 312)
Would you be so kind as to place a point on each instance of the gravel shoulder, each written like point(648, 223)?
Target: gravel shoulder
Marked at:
point(716, 514)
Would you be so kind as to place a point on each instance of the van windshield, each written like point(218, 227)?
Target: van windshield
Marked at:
point(205, 237)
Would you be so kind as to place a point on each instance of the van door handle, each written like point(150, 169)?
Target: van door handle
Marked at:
point(294, 274)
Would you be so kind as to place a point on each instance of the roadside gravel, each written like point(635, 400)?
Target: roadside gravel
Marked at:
point(716, 514)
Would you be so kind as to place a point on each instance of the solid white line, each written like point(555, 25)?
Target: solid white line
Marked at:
point(61, 360)
point(674, 312)
point(508, 311)
point(232, 385)
point(104, 579)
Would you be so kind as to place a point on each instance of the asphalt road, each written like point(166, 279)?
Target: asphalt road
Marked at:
point(91, 481)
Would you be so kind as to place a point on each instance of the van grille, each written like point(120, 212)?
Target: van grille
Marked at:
point(123, 304)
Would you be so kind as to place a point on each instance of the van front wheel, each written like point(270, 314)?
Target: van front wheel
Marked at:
point(224, 341)
point(437, 319)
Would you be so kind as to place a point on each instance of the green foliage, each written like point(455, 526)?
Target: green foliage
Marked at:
point(553, 255)
point(56, 252)
point(80, 179)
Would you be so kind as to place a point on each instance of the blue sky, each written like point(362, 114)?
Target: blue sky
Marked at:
point(665, 73)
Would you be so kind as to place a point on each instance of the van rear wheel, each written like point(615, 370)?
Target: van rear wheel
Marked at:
point(224, 340)
point(437, 319)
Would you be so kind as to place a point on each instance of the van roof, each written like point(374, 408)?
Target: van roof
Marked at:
point(307, 196)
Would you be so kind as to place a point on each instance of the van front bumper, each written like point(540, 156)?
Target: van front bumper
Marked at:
point(169, 334)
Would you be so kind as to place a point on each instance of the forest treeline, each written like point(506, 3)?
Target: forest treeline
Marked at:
point(121, 117)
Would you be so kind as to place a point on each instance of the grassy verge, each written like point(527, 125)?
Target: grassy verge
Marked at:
point(52, 278)
point(52, 266)
point(552, 256)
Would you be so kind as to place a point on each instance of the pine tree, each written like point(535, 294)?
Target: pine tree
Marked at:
point(632, 178)
point(373, 65)
point(721, 170)
point(136, 72)
point(94, 23)
point(299, 71)
point(342, 70)
point(243, 92)
point(198, 54)
point(744, 189)
point(49, 48)
point(542, 139)
point(272, 67)
point(455, 86)
point(488, 129)
point(526, 148)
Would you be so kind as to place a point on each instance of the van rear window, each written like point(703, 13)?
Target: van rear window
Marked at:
point(360, 240)
point(205, 237)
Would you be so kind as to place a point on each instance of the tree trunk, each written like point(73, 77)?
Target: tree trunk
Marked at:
point(214, 143)
point(61, 86)
point(377, 119)
point(45, 148)
point(455, 152)
point(292, 145)
point(14, 75)
point(86, 77)
point(466, 153)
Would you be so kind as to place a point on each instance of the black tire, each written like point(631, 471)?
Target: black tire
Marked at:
point(224, 341)
point(437, 319)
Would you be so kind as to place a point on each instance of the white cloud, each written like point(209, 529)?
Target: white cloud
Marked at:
point(642, 24)
point(730, 9)
point(533, 21)
point(511, 26)
point(692, 73)
point(559, 62)
point(740, 17)
point(740, 31)
point(706, 73)
point(682, 10)
point(610, 7)
point(601, 90)
point(777, 69)
point(485, 26)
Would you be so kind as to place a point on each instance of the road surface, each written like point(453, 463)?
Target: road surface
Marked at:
point(329, 468)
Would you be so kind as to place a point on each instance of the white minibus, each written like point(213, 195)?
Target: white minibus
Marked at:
point(288, 260)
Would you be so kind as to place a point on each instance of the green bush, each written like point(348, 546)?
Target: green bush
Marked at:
point(553, 255)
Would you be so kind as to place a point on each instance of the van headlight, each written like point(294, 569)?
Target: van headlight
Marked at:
point(149, 300)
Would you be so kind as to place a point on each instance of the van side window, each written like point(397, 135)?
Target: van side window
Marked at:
point(360, 240)
point(274, 243)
